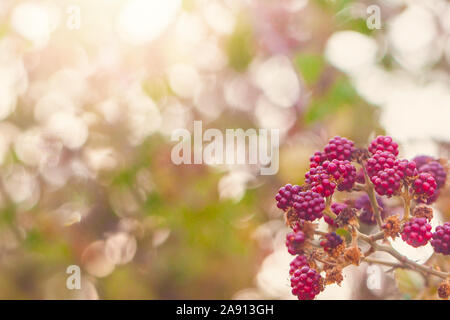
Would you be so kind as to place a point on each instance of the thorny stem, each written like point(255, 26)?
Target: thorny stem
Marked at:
point(327, 211)
point(384, 263)
point(403, 260)
point(373, 200)
point(407, 202)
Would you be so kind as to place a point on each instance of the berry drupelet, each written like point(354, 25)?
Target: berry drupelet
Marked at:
point(383, 143)
point(363, 203)
point(295, 242)
point(416, 232)
point(441, 239)
point(299, 262)
point(339, 148)
point(306, 283)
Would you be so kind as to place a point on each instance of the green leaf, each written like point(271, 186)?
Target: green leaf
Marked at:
point(310, 66)
point(239, 46)
point(344, 233)
point(409, 283)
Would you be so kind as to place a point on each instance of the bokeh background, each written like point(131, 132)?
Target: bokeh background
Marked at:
point(91, 91)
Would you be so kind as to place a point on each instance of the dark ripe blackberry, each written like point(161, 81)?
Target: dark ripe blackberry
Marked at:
point(441, 239)
point(339, 148)
point(416, 232)
point(387, 182)
point(424, 185)
point(320, 181)
point(421, 160)
point(306, 283)
point(298, 262)
point(317, 159)
point(437, 171)
point(379, 161)
point(295, 242)
point(363, 203)
point(285, 195)
point(336, 207)
point(308, 205)
point(331, 241)
point(383, 143)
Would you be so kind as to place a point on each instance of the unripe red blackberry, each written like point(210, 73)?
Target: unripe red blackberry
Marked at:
point(416, 232)
point(317, 159)
point(306, 283)
point(331, 241)
point(383, 143)
point(387, 182)
point(295, 242)
point(441, 239)
point(320, 181)
point(424, 186)
point(406, 169)
point(308, 205)
point(284, 196)
point(323, 179)
point(363, 203)
point(299, 262)
point(339, 148)
point(437, 171)
point(421, 160)
point(336, 207)
point(379, 161)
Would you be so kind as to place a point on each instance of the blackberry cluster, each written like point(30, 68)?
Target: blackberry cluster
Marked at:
point(298, 262)
point(441, 239)
point(295, 242)
point(424, 186)
point(382, 160)
point(405, 168)
point(332, 169)
point(308, 205)
point(379, 161)
point(339, 148)
point(285, 195)
point(331, 241)
point(421, 160)
point(306, 283)
point(324, 179)
point(383, 143)
point(320, 181)
point(437, 171)
point(387, 182)
point(416, 232)
point(363, 203)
